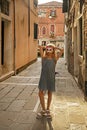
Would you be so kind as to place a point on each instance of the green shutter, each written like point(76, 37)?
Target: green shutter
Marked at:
point(65, 6)
point(35, 30)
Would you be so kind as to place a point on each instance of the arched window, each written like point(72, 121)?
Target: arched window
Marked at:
point(44, 30)
point(53, 13)
point(52, 28)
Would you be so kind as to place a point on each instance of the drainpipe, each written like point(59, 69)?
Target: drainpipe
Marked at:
point(14, 4)
point(28, 17)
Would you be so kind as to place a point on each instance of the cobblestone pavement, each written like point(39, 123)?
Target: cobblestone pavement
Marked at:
point(19, 102)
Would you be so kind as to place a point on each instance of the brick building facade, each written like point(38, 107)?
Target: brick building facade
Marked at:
point(50, 23)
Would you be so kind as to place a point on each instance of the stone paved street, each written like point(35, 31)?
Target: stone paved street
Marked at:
point(19, 102)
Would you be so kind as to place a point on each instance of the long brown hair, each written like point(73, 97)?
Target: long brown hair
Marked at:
point(53, 54)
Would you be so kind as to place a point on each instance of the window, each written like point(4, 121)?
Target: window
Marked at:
point(52, 31)
point(35, 30)
point(52, 28)
point(81, 4)
point(53, 13)
point(44, 30)
point(41, 13)
point(80, 23)
point(2, 43)
point(43, 43)
point(65, 6)
point(4, 6)
point(35, 3)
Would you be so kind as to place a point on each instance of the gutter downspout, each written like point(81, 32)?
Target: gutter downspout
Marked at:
point(14, 40)
point(28, 18)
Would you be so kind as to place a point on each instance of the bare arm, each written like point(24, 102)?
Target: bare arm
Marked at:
point(59, 54)
point(41, 50)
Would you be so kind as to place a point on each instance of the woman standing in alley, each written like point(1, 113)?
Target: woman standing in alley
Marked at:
point(47, 79)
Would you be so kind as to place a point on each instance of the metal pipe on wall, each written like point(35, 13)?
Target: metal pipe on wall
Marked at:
point(14, 4)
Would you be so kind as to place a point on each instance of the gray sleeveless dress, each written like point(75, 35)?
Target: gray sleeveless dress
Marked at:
point(47, 78)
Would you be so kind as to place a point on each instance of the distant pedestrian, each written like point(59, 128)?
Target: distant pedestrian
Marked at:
point(47, 79)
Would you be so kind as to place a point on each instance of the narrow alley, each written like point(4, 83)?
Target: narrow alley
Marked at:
point(19, 101)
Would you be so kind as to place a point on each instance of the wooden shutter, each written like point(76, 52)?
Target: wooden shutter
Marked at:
point(65, 6)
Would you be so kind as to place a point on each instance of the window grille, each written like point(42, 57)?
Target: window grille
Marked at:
point(4, 7)
point(35, 30)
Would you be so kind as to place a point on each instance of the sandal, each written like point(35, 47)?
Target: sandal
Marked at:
point(41, 114)
point(48, 114)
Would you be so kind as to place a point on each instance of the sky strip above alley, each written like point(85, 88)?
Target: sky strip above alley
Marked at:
point(45, 1)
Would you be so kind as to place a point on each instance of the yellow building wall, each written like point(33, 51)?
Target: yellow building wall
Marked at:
point(26, 46)
point(33, 42)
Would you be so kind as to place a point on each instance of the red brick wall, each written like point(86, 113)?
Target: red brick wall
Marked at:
point(58, 22)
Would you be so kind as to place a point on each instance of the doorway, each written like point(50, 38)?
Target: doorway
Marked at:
point(76, 66)
point(6, 54)
point(2, 43)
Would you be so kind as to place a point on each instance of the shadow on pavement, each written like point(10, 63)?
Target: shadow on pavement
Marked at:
point(43, 124)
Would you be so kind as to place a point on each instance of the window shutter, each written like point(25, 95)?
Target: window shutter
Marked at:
point(35, 30)
point(35, 3)
point(65, 6)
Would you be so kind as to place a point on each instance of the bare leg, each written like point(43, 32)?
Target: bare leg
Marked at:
point(42, 101)
point(49, 99)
